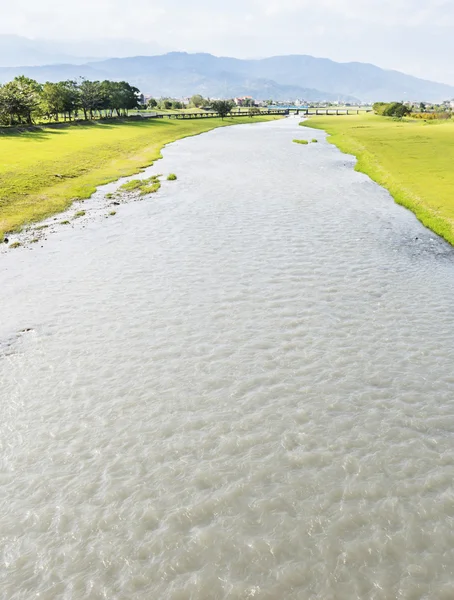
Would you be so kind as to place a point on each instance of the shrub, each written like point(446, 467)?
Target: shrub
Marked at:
point(80, 213)
point(171, 177)
point(15, 245)
point(301, 142)
point(432, 116)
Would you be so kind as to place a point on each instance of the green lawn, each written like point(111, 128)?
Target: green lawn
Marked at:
point(412, 159)
point(43, 171)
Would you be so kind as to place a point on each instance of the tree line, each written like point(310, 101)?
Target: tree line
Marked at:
point(422, 110)
point(196, 101)
point(25, 101)
point(391, 109)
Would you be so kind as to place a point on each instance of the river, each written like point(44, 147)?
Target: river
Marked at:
point(241, 387)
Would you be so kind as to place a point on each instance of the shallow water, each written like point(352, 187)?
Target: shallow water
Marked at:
point(241, 387)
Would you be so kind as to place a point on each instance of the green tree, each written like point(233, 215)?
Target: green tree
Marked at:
point(152, 103)
point(379, 107)
point(396, 109)
point(197, 100)
point(52, 100)
point(20, 100)
point(253, 111)
point(222, 107)
point(402, 111)
point(118, 96)
point(91, 95)
point(9, 105)
point(71, 98)
point(165, 103)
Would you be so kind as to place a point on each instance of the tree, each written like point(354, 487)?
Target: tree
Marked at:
point(177, 105)
point(131, 96)
point(71, 98)
point(20, 100)
point(23, 100)
point(422, 107)
point(402, 111)
point(53, 100)
point(253, 111)
point(9, 105)
point(197, 100)
point(396, 109)
point(379, 107)
point(118, 96)
point(222, 107)
point(91, 97)
point(165, 104)
point(152, 103)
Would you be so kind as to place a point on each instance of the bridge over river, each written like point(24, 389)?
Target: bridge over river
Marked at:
point(270, 111)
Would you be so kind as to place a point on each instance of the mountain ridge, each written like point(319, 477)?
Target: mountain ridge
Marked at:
point(279, 77)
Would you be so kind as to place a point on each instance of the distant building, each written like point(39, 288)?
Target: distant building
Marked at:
point(244, 101)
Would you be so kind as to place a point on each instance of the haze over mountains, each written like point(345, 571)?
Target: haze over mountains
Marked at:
point(18, 51)
point(179, 74)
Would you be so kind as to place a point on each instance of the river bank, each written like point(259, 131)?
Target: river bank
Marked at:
point(411, 159)
point(43, 171)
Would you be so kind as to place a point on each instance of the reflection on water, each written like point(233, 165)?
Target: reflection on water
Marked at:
point(239, 388)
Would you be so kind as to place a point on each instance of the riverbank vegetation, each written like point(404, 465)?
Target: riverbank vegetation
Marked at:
point(411, 158)
point(44, 169)
point(400, 110)
point(391, 109)
point(25, 101)
point(142, 186)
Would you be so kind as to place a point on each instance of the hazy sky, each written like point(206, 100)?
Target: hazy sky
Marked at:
point(410, 35)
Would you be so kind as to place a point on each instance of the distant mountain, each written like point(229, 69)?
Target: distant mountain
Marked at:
point(280, 77)
point(17, 51)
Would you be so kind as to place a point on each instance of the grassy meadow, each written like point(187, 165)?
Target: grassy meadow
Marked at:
point(43, 171)
point(411, 158)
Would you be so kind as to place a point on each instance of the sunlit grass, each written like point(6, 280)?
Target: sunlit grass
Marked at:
point(412, 159)
point(43, 171)
point(143, 186)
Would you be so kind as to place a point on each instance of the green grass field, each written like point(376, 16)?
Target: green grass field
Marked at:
point(43, 171)
point(412, 159)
